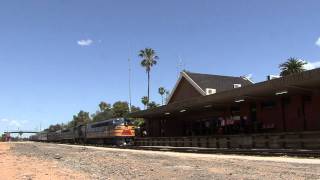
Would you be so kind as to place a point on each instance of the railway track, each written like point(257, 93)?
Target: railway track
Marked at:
point(235, 151)
point(258, 152)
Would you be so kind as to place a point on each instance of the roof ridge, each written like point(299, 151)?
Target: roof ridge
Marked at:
point(188, 72)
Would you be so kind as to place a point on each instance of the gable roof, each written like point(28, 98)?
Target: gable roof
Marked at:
point(203, 81)
point(221, 83)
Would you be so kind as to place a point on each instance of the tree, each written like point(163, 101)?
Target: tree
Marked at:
point(105, 112)
point(161, 91)
point(291, 66)
point(152, 104)
point(135, 109)
point(3, 137)
point(145, 101)
point(120, 109)
point(81, 118)
point(54, 128)
point(104, 106)
point(138, 122)
point(149, 59)
point(64, 126)
point(167, 95)
point(100, 116)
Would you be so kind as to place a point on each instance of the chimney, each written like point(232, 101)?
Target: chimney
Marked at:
point(270, 77)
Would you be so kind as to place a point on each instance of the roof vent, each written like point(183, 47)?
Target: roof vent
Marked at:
point(210, 91)
point(236, 85)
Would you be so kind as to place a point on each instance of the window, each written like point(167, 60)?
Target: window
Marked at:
point(210, 91)
point(236, 85)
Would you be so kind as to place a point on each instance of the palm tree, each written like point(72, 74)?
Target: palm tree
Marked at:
point(104, 106)
point(149, 58)
point(291, 66)
point(152, 104)
point(161, 91)
point(167, 95)
point(145, 101)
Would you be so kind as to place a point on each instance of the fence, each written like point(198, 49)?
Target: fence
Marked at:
point(292, 140)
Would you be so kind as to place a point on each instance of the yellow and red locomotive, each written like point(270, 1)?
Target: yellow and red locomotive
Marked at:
point(119, 131)
point(116, 131)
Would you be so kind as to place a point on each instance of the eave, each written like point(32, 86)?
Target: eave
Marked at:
point(308, 81)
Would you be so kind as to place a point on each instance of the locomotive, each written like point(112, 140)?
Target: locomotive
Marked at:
point(116, 131)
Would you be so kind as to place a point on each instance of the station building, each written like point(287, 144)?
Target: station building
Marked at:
point(205, 105)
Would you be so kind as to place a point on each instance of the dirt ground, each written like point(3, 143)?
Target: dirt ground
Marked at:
point(29, 167)
point(56, 161)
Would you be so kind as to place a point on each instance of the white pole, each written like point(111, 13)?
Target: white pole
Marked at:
point(129, 84)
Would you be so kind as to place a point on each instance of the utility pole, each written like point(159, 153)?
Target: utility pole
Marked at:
point(129, 84)
point(129, 75)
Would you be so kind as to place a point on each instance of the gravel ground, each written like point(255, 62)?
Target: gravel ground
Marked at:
point(111, 163)
point(13, 167)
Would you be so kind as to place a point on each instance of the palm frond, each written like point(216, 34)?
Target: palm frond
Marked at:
point(291, 66)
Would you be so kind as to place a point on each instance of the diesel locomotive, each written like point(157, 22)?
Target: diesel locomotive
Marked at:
point(116, 131)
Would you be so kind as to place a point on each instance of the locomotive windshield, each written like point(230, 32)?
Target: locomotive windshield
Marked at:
point(113, 122)
point(128, 122)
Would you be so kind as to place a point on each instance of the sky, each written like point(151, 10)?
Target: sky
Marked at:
point(59, 57)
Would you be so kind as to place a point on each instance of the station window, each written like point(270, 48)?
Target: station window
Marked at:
point(236, 86)
point(210, 91)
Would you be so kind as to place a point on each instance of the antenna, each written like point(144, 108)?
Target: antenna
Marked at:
point(181, 65)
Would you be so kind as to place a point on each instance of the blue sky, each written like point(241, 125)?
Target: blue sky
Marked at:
point(57, 57)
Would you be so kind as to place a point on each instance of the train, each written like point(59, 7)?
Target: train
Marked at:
point(116, 131)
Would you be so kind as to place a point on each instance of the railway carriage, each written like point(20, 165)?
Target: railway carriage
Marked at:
point(67, 135)
point(42, 137)
point(34, 137)
point(54, 136)
point(80, 133)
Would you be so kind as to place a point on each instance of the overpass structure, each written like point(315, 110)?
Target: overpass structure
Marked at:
point(20, 132)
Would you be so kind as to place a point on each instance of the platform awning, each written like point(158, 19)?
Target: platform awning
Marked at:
point(306, 82)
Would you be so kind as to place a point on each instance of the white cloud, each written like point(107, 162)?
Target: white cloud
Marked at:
point(318, 42)
point(85, 42)
point(312, 65)
point(24, 121)
point(4, 120)
point(13, 123)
